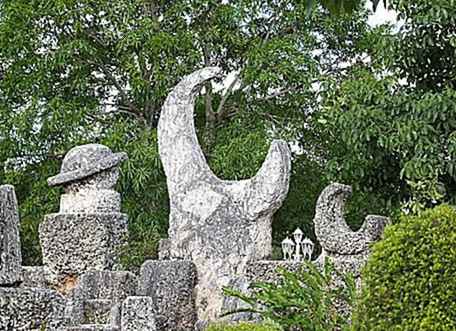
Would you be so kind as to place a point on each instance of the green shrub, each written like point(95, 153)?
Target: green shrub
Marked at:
point(302, 300)
point(244, 327)
point(409, 280)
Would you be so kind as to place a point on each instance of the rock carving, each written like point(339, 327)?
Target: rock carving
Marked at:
point(349, 249)
point(89, 229)
point(220, 225)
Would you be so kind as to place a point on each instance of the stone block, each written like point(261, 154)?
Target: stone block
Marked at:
point(106, 285)
point(171, 286)
point(34, 277)
point(76, 243)
point(30, 309)
point(90, 327)
point(267, 271)
point(138, 314)
point(10, 246)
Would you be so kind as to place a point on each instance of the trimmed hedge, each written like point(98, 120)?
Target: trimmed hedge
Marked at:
point(244, 326)
point(409, 281)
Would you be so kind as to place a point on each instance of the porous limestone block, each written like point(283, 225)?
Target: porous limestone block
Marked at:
point(106, 285)
point(75, 243)
point(268, 271)
point(170, 283)
point(34, 276)
point(26, 309)
point(138, 314)
point(91, 327)
point(10, 246)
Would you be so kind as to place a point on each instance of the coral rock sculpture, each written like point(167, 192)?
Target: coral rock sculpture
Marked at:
point(89, 230)
point(347, 248)
point(218, 224)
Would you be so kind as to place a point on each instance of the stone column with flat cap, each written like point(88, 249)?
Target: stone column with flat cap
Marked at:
point(89, 230)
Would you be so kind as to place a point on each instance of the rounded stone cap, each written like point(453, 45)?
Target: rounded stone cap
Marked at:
point(84, 161)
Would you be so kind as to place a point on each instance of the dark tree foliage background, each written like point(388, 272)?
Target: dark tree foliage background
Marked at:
point(371, 107)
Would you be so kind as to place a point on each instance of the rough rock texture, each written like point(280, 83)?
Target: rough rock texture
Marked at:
point(85, 161)
point(89, 231)
point(75, 243)
point(171, 286)
point(346, 248)
point(10, 245)
point(267, 271)
point(30, 309)
point(138, 314)
point(98, 296)
point(220, 225)
point(34, 277)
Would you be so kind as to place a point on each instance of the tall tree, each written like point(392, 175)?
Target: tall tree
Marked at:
point(393, 122)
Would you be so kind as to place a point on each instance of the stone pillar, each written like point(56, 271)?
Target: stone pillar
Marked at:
point(171, 286)
point(89, 230)
point(219, 225)
point(10, 245)
point(21, 308)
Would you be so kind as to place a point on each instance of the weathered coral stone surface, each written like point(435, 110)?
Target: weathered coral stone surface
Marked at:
point(171, 285)
point(346, 248)
point(220, 225)
point(10, 246)
point(89, 231)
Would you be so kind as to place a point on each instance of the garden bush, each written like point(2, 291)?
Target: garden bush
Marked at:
point(408, 282)
point(244, 327)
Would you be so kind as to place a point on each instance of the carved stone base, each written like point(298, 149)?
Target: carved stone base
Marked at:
point(75, 243)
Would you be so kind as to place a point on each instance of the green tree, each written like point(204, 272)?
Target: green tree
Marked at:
point(392, 123)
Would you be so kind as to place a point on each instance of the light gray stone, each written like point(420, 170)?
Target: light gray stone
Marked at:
point(138, 314)
point(171, 285)
point(34, 277)
point(218, 224)
point(89, 231)
point(98, 296)
point(85, 161)
point(112, 285)
point(30, 309)
point(346, 248)
point(76, 243)
point(10, 245)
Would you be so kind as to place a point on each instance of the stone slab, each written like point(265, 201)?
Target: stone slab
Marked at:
point(10, 245)
point(171, 286)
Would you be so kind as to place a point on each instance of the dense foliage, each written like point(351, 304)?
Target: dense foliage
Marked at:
point(302, 300)
point(391, 125)
point(79, 71)
point(244, 327)
point(409, 279)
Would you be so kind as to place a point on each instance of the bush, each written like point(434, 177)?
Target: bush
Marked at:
point(302, 300)
point(409, 279)
point(244, 327)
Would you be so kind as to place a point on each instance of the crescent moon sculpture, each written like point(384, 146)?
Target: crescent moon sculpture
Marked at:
point(218, 224)
point(349, 249)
